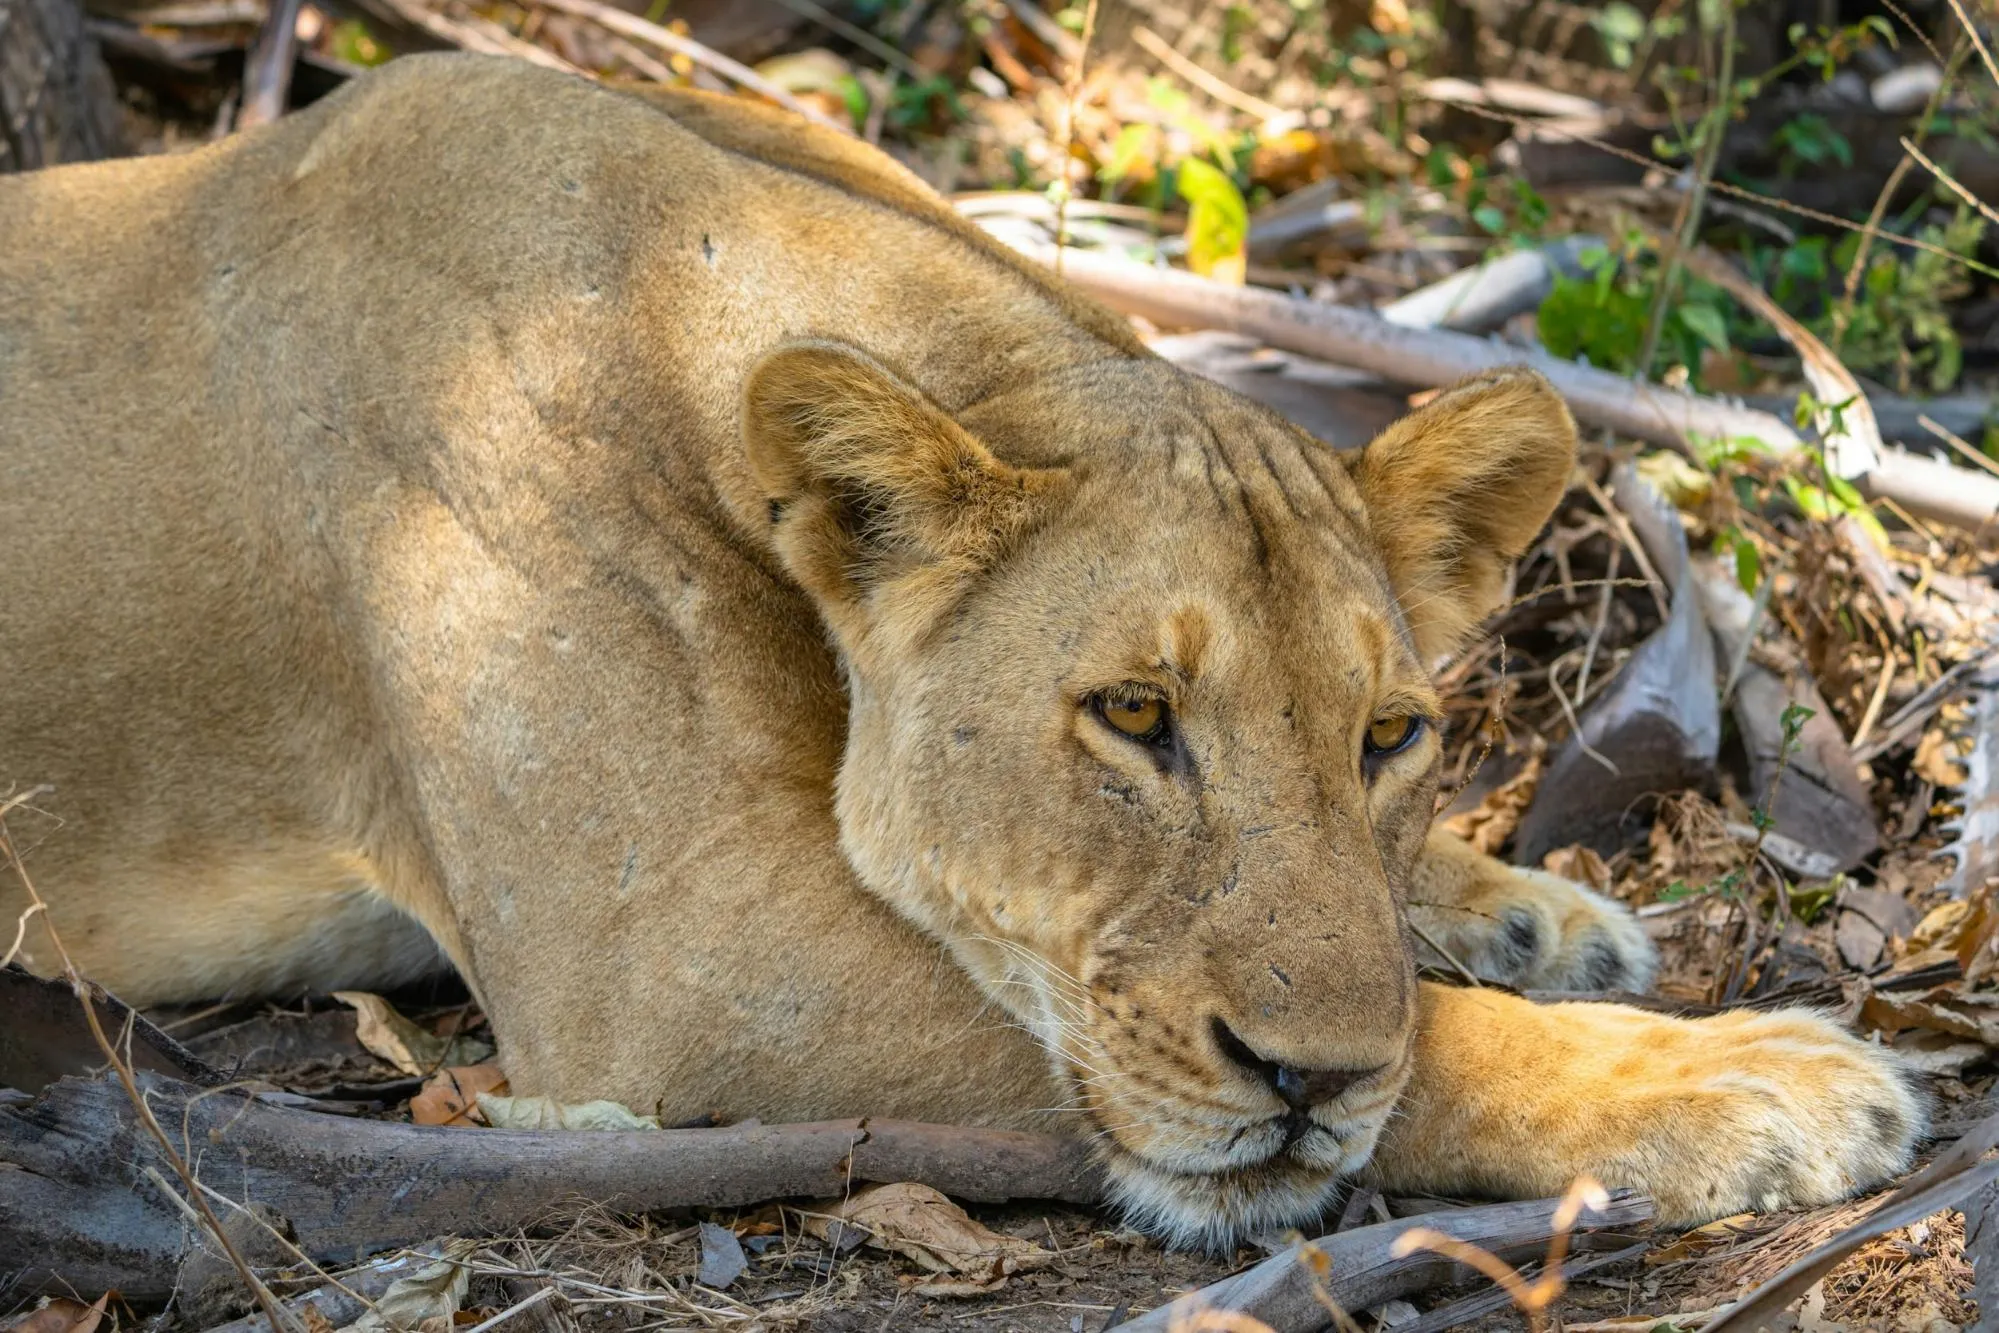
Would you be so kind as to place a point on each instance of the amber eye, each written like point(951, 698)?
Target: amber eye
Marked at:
point(1389, 733)
point(1141, 719)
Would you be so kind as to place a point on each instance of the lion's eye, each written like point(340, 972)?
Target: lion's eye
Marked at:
point(1140, 719)
point(1387, 734)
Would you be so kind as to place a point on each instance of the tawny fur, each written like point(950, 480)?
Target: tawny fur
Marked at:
point(658, 552)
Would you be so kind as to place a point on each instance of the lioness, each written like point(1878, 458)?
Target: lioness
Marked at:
point(796, 659)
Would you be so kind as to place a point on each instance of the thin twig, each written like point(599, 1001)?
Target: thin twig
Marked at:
point(1857, 270)
point(1576, 726)
point(485, 37)
point(1734, 191)
point(1601, 622)
point(1949, 182)
point(1956, 442)
point(527, 1303)
point(1155, 46)
point(1876, 700)
point(1971, 31)
point(652, 34)
point(1690, 228)
point(859, 36)
point(195, 1201)
point(1622, 527)
point(1471, 977)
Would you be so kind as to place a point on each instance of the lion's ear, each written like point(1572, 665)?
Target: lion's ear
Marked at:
point(1458, 489)
point(881, 504)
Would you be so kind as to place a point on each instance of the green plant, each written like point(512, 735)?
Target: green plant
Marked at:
point(1901, 325)
point(924, 104)
point(1808, 140)
point(1603, 316)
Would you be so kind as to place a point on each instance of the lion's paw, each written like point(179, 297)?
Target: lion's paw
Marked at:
point(1539, 931)
point(1748, 1112)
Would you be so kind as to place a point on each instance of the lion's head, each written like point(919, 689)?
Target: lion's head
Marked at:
point(1140, 726)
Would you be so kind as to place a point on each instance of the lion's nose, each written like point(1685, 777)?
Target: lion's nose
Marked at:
point(1301, 1089)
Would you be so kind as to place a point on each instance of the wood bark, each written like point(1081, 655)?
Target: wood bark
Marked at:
point(56, 100)
point(79, 1211)
point(1288, 1291)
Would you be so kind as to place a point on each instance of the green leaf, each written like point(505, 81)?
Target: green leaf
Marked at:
point(1217, 216)
point(1707, 324)
point(1490, 218)
point(1748, 565)
point(1812, 502)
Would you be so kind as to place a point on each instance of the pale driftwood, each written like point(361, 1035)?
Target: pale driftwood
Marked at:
point(1482, 297)
point(56, 100)
point(1285, 1293)
point(81, 1213)
point(1365, 341)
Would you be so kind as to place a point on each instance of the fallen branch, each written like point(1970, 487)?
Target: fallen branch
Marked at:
point(1358, 1269)
point(652, 34)
point(1434, 357)
point(79, 1213)
point(1484, 296)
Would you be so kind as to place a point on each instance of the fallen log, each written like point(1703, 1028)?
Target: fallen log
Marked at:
point(1430, 357)
point(1361, 1270)
point(84, 1207)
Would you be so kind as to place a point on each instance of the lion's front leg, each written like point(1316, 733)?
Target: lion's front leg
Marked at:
point(1743, 1111)
point(1525, 927)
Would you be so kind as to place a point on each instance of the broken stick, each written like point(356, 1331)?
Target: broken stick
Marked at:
point(1358, 1269)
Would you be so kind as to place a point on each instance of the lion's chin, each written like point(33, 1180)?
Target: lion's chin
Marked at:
point(1218, 1210)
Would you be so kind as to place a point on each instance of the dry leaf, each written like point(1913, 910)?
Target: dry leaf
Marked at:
point(1944, 1009)
point(433, 1292)
point(316, 1320)
point(1721, 1231)
point(919, 1223)
point(451, 1097)
point(60, 1314)
point(547, 1113)
point(402, 1043)
point(1940, 928)
point(1936, 759)
point(1580, 864)
point(1488, 827)
point(1940, 1052)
